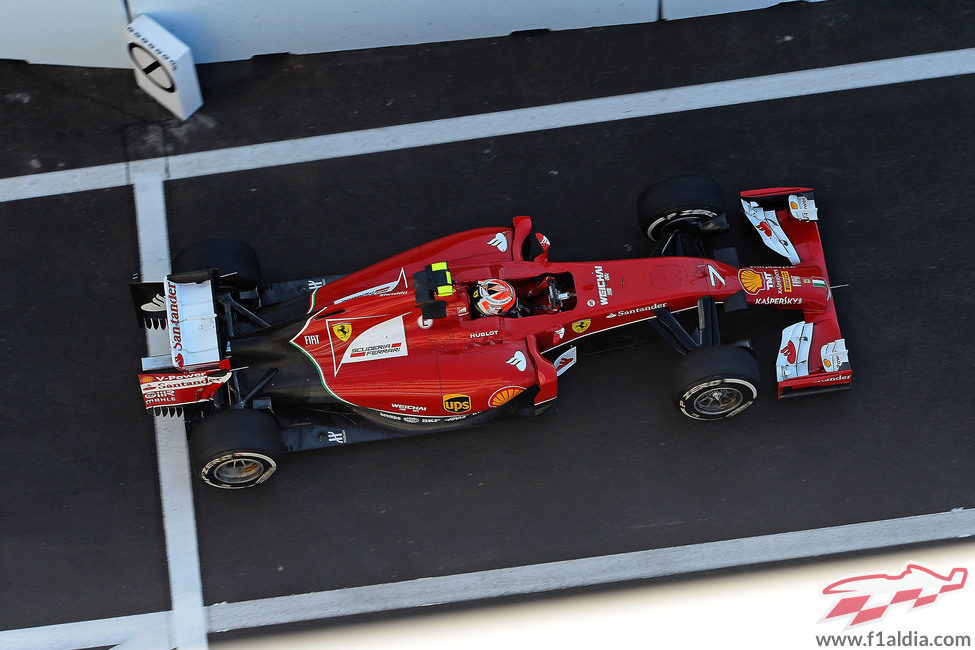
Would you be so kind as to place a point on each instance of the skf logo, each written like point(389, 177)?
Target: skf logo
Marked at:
point(867, 598)
point(581, 326)
point(343, 331)
point(457, 403)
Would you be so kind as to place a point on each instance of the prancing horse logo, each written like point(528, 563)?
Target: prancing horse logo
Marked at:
point(343, 331)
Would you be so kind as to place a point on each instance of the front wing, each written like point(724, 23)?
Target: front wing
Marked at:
point(812, 354)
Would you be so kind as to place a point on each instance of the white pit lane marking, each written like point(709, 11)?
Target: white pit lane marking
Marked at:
point(186, 623)
point(523, 120)
point(496, 583)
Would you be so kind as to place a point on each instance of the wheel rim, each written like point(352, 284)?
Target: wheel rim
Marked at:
point(654, 230)
point(239, 470)
point(718, 400)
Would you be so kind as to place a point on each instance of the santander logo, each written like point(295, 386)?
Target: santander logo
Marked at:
point(868, 597)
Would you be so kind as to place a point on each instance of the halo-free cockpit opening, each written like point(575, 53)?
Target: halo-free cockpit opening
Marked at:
point(549, 293)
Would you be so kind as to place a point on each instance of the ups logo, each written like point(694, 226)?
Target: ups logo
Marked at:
point(457, 403)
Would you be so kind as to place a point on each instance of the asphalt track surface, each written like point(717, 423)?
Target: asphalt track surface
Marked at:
point(616, 469)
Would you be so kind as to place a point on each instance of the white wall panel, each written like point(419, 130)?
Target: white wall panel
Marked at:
point(90, 32)
point(64, 32)
point(221, 30)
point(675, 9)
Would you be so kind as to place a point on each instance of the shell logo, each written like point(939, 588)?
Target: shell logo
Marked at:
point(793, 205)
point(145, 379)
point(827, 364)
point(750, 280)
point(504, 395)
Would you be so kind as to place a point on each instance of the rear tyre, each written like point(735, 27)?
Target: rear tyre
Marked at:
point(693, 201)
point(237, 261)
point(716, 382)
point(236, 448)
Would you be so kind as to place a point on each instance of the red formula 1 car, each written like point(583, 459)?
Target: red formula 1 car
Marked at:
point(470, 327)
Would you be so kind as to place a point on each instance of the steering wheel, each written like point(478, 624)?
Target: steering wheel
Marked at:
point(555, 302)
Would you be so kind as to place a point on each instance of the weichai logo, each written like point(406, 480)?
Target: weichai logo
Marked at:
point(457, 403)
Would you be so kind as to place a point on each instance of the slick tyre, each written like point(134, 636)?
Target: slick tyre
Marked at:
point(680, 199)
point(236, 448)
point(716, 382)
point(237, 262)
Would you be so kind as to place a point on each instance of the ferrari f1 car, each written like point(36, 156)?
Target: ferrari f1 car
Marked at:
point(473, 326)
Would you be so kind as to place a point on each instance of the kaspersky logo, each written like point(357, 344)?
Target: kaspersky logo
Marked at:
point(868, 597)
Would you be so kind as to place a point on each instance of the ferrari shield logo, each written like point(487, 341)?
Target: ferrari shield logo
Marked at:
point(581, 326)
point(343, 331)
point(457, 403)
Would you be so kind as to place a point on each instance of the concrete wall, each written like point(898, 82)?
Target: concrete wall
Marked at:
point(66, 32)
point(90, 32)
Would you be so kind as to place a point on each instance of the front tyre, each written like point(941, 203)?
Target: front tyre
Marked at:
point(691, 201)
point(236, 448)
point(716, 382)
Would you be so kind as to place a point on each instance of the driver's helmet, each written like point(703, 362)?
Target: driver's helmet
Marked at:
point(493, 297)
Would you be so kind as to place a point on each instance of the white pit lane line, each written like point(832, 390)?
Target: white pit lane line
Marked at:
point(187, 624)
point(523, 120)
point(135, 631)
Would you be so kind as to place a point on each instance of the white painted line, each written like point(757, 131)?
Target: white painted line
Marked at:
point(590, 111)
point(552, 576)
point(134, 631)
point(63, 182)
point(187, 621)
point(187, 628)
point(150, 218)
point(139, 631)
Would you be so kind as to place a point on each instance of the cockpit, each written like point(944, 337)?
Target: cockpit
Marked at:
point(543, 294)
point(549, 293)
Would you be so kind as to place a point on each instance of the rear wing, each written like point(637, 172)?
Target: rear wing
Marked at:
point(185, 304)
point(812, 355)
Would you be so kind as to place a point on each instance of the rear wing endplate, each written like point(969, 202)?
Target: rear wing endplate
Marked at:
point(185, 304)
point(191, 318)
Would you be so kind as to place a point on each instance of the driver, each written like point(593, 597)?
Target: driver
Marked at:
point(494, 297)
